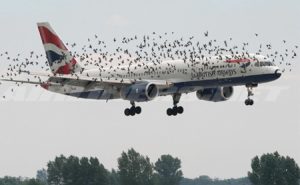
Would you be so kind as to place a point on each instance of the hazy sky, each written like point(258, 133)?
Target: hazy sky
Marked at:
point(215, 139)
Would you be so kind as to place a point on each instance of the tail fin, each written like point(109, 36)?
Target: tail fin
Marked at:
point(60, 59)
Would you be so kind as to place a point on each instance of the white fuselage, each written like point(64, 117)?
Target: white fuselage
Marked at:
point(186, 76)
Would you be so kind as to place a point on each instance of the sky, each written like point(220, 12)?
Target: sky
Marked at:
point(215, 139)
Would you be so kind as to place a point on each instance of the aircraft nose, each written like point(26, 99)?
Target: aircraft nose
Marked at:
point(278, 73)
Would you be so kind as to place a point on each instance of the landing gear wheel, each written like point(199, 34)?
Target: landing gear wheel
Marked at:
point(180, 110)
point(169, 112)
point(249, 102)
point(127, 112)
point(138, 110)
point(132, 111)
point(174, 111)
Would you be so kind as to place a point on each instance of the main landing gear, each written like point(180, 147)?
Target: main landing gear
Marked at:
point(249, 101)
point(175, 110)
point(133, 110)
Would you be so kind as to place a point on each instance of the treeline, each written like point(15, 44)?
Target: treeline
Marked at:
point(202, 180)
point(133, 169)
point(206, 180)
point(136, 169)
point(20, 181)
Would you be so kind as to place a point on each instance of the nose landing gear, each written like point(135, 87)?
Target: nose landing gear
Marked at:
point(250, 101)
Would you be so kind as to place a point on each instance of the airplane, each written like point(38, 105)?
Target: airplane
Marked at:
point(212, 79)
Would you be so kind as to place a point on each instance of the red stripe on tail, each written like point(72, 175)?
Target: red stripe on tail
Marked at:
point(67, 68)
point(49, 38)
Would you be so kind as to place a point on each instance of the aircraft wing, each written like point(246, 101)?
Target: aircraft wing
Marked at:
point(102, 82)
point(85, 81)
point(22, 81)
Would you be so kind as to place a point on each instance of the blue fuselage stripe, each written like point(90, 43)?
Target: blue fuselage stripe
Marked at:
point(233, 81)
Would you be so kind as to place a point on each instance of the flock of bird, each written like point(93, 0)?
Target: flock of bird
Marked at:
point(155, 48)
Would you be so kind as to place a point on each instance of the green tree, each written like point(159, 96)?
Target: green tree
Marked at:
point(10, 181)
point(114, 178)
point(135, 169)
point(33, 182)
point(41, 176)
point(56, 171)
point(272, 169)
point(75, 171)
point(168, 170)
point(206, 180)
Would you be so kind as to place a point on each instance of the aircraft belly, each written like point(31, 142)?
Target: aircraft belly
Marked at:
point(81, 92)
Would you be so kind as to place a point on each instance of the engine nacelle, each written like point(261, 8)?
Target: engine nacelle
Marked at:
point(139, 92)
point(215, 94)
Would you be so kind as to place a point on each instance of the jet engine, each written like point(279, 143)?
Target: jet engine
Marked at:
point(215, 94)
point(139, 92)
